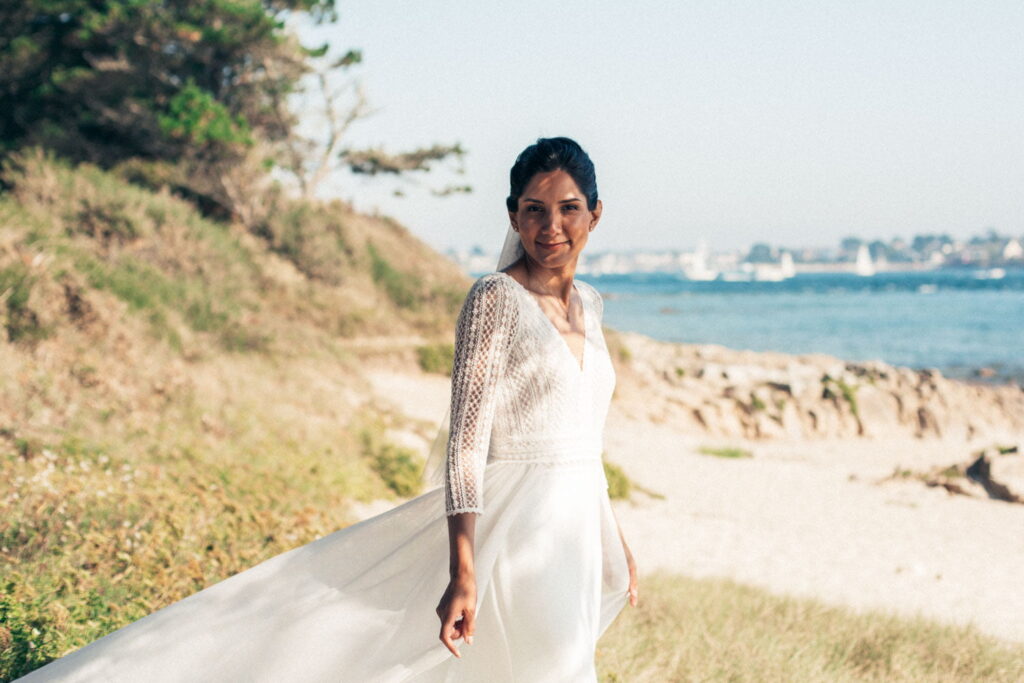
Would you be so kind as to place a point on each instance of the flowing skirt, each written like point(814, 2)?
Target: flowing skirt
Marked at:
point(358, 605)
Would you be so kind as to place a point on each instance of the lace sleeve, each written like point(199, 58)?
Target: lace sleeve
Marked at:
point(482, 334)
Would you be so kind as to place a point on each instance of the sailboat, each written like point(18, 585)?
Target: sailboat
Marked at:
point(775, 272)
point(864, 265)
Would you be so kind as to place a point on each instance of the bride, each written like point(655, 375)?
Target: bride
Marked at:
point(537, 565)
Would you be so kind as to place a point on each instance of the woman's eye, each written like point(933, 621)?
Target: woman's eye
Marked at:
point(572, 207)
point(533, 207)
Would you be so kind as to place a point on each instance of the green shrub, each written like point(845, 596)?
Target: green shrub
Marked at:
point(437, 358)
point(619, 485)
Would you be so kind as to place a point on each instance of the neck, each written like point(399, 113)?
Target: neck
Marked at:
point(554, 281)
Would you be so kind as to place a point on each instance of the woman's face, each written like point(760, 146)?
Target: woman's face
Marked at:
point(553, 220)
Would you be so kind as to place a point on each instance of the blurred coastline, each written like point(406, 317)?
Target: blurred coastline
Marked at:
point(958, 321)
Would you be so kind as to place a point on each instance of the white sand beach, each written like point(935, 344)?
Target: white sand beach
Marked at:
point(817, 517)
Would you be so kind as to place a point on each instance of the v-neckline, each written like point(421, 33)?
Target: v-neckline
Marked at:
point(579, 363)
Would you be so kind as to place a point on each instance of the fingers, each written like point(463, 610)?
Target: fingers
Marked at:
point(449, 632)
point(469, 626)
point(452, 629)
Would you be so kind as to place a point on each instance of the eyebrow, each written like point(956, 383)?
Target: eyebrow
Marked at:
point(572, 199)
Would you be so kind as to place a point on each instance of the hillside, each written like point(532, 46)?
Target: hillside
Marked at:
point(180, 397)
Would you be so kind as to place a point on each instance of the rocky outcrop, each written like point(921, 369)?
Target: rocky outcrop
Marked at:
point(764, 395)
point(1000, 474)
point(995, 473)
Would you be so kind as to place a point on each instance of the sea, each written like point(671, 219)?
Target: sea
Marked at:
point(964, 322)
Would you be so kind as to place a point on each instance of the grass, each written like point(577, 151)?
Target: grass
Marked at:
point(95, 533)
point(688, 629)
point(400, 287)
point(725, 452)
point(399, 468)
point(314, 241)
point(20, 322)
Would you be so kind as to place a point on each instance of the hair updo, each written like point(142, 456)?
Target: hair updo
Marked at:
point(550, 154)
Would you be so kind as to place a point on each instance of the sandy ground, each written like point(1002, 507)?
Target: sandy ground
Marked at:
point(806, 518)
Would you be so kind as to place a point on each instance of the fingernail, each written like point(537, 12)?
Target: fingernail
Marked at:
point(469, 639)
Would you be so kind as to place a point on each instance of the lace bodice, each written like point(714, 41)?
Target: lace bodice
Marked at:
point(518, 391)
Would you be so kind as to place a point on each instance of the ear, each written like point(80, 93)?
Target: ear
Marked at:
point(595, 214)
point(514, 220)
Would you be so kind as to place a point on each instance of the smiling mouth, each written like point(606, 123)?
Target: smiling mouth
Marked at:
point(551, 245)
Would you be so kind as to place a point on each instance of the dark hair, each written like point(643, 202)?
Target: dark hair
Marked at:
point(550, 154)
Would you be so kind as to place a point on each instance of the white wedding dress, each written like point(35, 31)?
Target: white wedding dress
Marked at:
point(524, 451)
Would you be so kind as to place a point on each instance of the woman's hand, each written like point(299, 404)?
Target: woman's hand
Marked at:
point(457, 611)
point(634, 595)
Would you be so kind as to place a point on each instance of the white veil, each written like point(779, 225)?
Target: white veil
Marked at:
point(434, 468)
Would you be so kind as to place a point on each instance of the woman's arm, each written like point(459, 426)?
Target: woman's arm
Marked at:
point(482, 335)
point(633, 591)
point(457, 608)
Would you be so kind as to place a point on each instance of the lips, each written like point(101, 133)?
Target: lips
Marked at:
point(552, 245)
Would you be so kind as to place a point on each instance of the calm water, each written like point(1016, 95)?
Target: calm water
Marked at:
point(951, 319)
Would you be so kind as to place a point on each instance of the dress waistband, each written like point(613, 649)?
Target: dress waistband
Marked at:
point(573, 448)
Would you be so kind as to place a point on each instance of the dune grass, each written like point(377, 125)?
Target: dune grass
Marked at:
point(96, 534)
point(688, 629)
point(725, 452)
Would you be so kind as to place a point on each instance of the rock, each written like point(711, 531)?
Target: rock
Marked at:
point(767, 426)
point(791, 420)
point(878, 410)
point(927, 423)
point(1001, 475)
point(722, 391)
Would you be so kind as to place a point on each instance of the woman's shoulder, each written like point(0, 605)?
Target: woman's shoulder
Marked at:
point(492, 293)
point(495, 284)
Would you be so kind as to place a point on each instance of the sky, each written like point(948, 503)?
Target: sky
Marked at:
point(731, 122)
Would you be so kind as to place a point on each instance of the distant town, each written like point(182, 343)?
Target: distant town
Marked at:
point(990, 254)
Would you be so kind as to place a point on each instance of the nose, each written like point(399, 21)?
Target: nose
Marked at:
point(552, 226)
